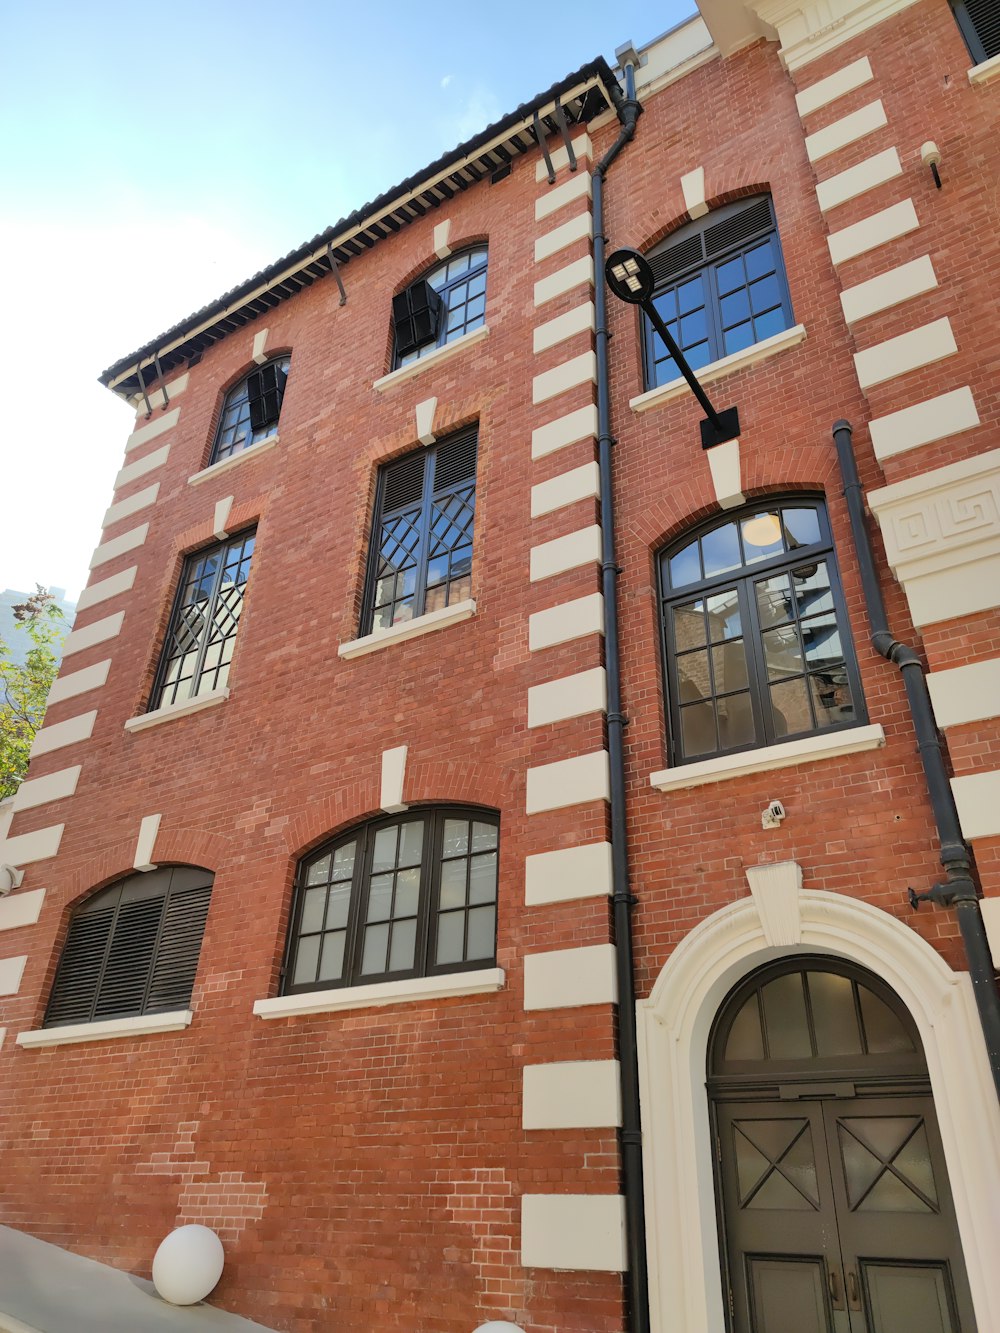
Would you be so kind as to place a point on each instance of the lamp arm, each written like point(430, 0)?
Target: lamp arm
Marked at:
point(656, 320)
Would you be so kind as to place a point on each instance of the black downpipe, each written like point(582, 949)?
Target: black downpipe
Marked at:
point(629, 110)
point(959, 890)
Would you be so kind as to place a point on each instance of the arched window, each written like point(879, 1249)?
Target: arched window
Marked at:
point(720, 287)
point(979, 22)
point(410, 896)
point(756, 642)
point(440, 306)
point(133, 948)
point(251, 410)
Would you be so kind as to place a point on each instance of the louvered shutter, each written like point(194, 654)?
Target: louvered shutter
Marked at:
point(416, 314)
point(403, 483)
point(126, 971)
point(698, 243)
point(265, 389)
point(180, 946)
point(79, 972)
point(984, 19)
point(456, 460)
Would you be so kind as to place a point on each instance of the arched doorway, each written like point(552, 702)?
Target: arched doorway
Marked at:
point(835, 1212)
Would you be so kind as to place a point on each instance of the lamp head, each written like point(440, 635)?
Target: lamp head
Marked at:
point(629, 276)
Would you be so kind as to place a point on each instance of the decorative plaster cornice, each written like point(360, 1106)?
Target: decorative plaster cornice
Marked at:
point(806, 29)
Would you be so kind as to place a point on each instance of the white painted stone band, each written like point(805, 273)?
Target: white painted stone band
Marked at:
point(824, 91)
point(142, 466)
point(107, 588)
point(874, 171)
point(573, 1232)
point(969, 693)
point(52, 787)
point(21, 909)
point(89, 635)
point(117, 546)
point(828, 745)
point(409, 991)
point(581, 483)
point(158, 426)
point(107, 1030)
point(888, 289)
point(581, 319)
point(79, 682)
point(580, 424)
point(570, 978)
point(131, 505)
point(571, 1094)
point(568, 782)
point(57, 735)
point(578, 186)
point(568, 873)
point(26, 848)
point(846, 131)
point(887, 225)
point(977, 796)
point(568, 621)
point(561, 554)
point(580, 369)
point(577, 274)
point(580, 228)
point(934, 419)
point(570, 696)
point(11, 972)
point(897, 356)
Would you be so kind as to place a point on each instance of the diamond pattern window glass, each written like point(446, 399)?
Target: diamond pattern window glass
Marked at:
point(755, 641)
point(251, 410)
point(460, 282)
point(403, 897)
point(421, 556)
point(202, 633)
point(720, 287)
point(133, 948)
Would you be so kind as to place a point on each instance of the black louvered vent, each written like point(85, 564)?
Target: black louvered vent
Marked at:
point(177, 957)
point(676, 258)
point(732, 231)
point(984, 16)
point(126, 972)
point(415, 316)
point(265, 389)
point(79, 972)
point(133, 948)
point(456, 461)
point(403, 482)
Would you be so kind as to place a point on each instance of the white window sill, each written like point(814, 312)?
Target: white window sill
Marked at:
point(989, 69)
point(481, 982)
point(108, 1030)
point(749, 356)
point(409, 629)
point(224, 464)
point(177, 710)
point(806, 750)
point(434, 358)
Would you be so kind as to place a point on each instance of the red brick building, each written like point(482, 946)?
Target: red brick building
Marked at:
point(328, 929)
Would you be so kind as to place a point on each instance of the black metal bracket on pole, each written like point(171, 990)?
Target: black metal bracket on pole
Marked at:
point(335, 270)
point(717, 427)
point(540, 140)
point(560, 116)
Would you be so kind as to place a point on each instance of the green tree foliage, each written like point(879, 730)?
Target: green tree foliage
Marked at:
point(25, 689)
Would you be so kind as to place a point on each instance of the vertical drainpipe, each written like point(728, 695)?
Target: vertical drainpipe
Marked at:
point(629, 110)
point(958, 891)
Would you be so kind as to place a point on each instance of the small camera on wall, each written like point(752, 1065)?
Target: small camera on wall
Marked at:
point(772, 814)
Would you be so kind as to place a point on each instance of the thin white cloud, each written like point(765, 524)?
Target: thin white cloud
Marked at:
point(447, 80)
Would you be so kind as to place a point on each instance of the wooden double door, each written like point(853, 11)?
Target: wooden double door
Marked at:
point(838, 1217)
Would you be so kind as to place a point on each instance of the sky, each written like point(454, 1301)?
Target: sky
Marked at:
point(150, 159)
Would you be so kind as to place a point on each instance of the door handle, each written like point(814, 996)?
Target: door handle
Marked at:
point(853, 1293)
point(833, 1281)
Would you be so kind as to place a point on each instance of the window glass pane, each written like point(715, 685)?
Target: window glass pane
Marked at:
point(404, 943)
point(765, 294)
point(456, 837)
point(694, 329)
point(739, 337)
point(319, 871)
point(699, 355)
point(698, 730)
point(376, 942)
point(695, 681)
point(884, 1032)
point(736, 724)
point(483, 878)
point(411, 843)
point(384, 857)
point(745, 1041)
point(774, 600)
point(735, 309)
point(834, 1017)
point(451, 937)
point(689, 625)
point(831, 696)
point(484, 837)
point(790, 708)
point(306, 957)
point(730, 275)
point(821, 641)
point(762, 536)
point(665, 305)
point(811, 586)
point(407, 892)
point(482, 932)
point(720, 550)
point(380, 898)
point(453, 883)
point(785, 1018)
point(766, 326)
point(338, 906)
point(729, 664)
point(331, 966)
point(723, 615)
point(760, 259)
point(684, 566)
point(343, 861)
point(313, 906)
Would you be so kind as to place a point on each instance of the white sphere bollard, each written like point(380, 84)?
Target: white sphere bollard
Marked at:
point(498, 1326)
point(188, 1264)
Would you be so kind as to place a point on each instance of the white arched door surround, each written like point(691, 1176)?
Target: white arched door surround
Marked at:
point(674, 1025)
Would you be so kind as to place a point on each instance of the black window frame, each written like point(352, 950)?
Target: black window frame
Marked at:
point(745, 576)
point(452, 447)
point(429, 911)
point(694, 251)
point(259, 394)
point(449, 289)
point(94, 964)
point(972, 24)
point(161, 685)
